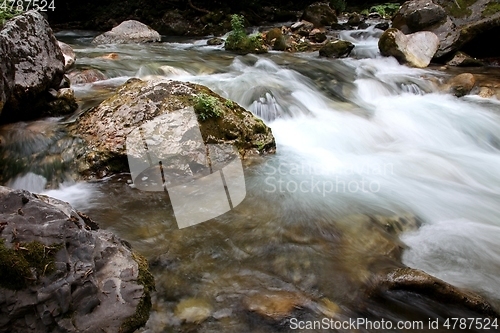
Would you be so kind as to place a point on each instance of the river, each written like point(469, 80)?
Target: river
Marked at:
point(362, 135)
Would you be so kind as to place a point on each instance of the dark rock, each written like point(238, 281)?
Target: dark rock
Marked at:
point(246, 44)
point(302, 28)
point(67, 278)
point(38, 64)
point(175, 23)
point(128, 32)
point(320, 14)
point(7, 71)
point(354, 19)
point(64, 102)
point(336, 49)
point(415, 49)
point(69, 55)
point(106, 127)
point(418, 15)
point(456, 24)
point(363, 25)
point(317, 35)
point(86, 76)
point(462, 59)
point(416, 281)
point(382, 26)
point(215, 41)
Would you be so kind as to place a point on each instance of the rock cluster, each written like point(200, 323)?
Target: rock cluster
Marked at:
point(60, 273)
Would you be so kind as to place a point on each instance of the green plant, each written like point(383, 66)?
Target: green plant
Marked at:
point(240, 42)
point(6, 13)
point(207, 106)
point(338, 5)
point(229, 103)
point(385, 10)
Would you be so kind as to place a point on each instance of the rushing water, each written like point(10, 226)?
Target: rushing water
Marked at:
point(362, 135)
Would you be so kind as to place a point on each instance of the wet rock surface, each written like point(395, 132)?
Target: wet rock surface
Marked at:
point(59, 273)
point(416, 281)
point(69, 55)
point(105, 128)
point(38, 66)
point(128, 32)
point(416, 49)
point(455, 23)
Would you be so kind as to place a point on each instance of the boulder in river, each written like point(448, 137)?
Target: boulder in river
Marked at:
point(336, 49)
point(320, 14)
point(69, 55)
point(462, 59)
point(461, 84)
point(38, 65)
point(86, 76)
point(128, 32)
point(6, 72)
point(418, 282)
point(462, 25)
point(106, 127)
point(60, 273)
point(416, 49)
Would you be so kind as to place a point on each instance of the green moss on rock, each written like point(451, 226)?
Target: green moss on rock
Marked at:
point(146, 279)
point(461, 10)
point(25, 263)
point(491, 9)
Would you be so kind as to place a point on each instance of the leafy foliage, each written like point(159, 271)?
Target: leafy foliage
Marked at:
point(338, 5)
point(239, 41)
point(207, 106)
point(7, 13)
point(385, 10)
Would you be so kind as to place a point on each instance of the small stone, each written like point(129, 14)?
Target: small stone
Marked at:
point(462, 84)
point(215, 41)
point(274, 305)
point(336, 49)
point(193, 310)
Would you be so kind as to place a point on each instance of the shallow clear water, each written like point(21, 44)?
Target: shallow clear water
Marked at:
point(354, 136)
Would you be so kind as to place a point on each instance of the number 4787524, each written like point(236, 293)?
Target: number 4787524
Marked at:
point(24, 5)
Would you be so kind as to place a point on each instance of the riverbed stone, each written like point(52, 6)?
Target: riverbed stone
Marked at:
point(69, 55)
point(38, 65)
point(336, 49)
point(60, 273)
point(320, 14)
point(462, 59)
point(86, 76)
point(412, 280)
point(128, 32)
point(106, 127)
point(455, 23)
point(461, 84)
point(416, 49)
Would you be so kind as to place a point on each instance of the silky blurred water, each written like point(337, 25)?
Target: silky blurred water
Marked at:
point(361, 135)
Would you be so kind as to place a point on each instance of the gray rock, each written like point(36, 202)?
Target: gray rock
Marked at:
point(75, 278)
point(416, 50)
point(215, 41)
point(320, 14)
point(106, 127)
point(6, 72)
point(69, 55)
point(128, 32)
point(336, 49)
point(462, 59)
point(302, 28)
point(454, 25)
point(86, 76)
point(38, 63)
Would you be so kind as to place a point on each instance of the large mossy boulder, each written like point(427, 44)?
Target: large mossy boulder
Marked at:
point(30, 49)
point(128, 32)
point(456, 23)
point(320, 14)
point(60, 273)
point(416, 50)
point(105, 128)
